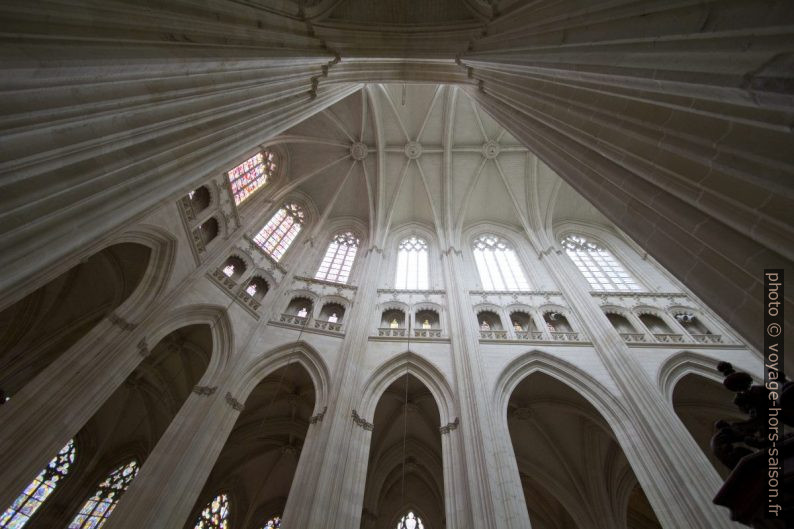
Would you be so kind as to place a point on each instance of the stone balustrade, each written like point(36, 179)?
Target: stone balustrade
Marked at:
point(328, 325)
point(669, 338)
point(427, 333)
point(493, 335)
point(707, 338)
point(633, 337)
point(396, 333)
point(565, 336)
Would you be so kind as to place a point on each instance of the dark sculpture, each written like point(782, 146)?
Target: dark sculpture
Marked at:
point(754, 401)
point(742, 447)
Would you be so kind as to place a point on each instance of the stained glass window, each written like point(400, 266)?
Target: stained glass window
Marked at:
point(278, 234)
point(410, 521)
point(274, 523)
point(39, 490)
point(339, 257)
point(251, 175)
point(411, 265)
point(498, 264)
point(98, 507)
point(215, 515)
point(598, 265)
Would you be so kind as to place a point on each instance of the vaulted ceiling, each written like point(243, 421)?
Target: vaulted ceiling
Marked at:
point(393, 154)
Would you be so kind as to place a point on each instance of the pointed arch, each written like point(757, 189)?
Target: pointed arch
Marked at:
point(423, 370)
point(293, 353)
point(222, 333)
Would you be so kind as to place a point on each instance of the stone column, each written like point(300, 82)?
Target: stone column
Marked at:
point(342, 445)
point(488, 503)
point(170, 481)
point(674, 473)
point(456, 490)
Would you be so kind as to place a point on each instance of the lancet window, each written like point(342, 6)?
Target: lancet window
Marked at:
point(251, 175)
point(277, 235)
point(339, 258)
point(410, 521)
point(498, 264)
point(412, 272)
point(215, 515)
point(35, 494)
point(98, 507)
point(598, 265)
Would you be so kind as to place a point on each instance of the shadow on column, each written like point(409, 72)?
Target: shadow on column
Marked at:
point(700, 402)
point(257, 464)
point(405, 433)
point(573, 471)
point(45, 323)
point(125, 430)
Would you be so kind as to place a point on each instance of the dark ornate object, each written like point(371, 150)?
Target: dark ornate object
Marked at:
point(743, 447)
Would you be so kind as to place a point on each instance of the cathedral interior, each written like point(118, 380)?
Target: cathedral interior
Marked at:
point(333, 264)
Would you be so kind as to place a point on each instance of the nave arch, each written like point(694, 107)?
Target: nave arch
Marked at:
point(129, 424)
point(693, 386)
point(261, 455)
point(116, 281)
point(552, 413)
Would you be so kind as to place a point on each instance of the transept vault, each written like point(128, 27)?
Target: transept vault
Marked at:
point(343, 263)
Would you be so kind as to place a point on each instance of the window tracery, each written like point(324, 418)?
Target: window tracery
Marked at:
point(251, 175)
point(410, 521)
point(412, 271)
point(98, 507)
point(277, 235)
point(498, 264)
point(35, 494)
point(215, 515)
point(598, 266)
point(339, 258)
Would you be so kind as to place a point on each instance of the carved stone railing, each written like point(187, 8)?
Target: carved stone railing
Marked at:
point(223, 279)
point(397, 333)
point(328, 325)
point(292, 319)
point(565, 336)
point(248, 299)
point(669, 338)
point(707, 338)
point(634, 337)
point(530, 335)
point(493, 335)
point(427, 333)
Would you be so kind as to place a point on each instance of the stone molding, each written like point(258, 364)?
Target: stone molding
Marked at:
point(234, 403)
point(449, 426)
point(120, 322)
point(204, 390)
point(361, 422)
point(314, 419)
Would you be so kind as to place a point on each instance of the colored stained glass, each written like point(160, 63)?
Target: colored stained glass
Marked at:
point(98, 507)
point(26, 504)
point(251, 175)
point(339, 257)
point(215, 515)
point(277, 235)
point(274, 523)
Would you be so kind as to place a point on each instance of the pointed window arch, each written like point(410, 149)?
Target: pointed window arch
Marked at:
point(35, 494)
point(498, 264)
point(598, 265)
point(273, 523)
point(277, 235)
point(339, 258)
point(215, 515)
point(410, 521)
point(98, 507)
point(252, 174)
point(412, 271)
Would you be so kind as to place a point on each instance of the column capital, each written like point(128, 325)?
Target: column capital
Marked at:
point(361, 422)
